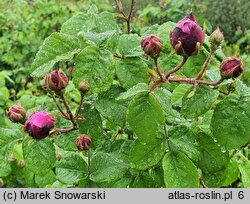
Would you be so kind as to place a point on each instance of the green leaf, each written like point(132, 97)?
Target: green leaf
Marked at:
point(241, 88)
point(213, 157)
point(71, 168)
point(112, 110)
point(137, 89)
point(96, 66)
point(106, 167)
point(66, 141)
point(178, 94)
point(29, 178)
point(179, 171)
point(48, 178)
point(39, 156)
point(131, 71)
point(244, 167)
point(169, 61)
point(224, 177)
point(96, 38)
point(146, 117)
point(5, 169)
point(119, 183)
point(129, 45)
point(199, 103)
point(164, 98)
point(143, 180)
point(194, 63)
point(144, 155)
point(57, 47)
point(125, 150)
point(183, 139)
point(230, 121)
point(81, 22)
point(7, 139)
point(92, 123)
point(106, 22)
point(163, 32)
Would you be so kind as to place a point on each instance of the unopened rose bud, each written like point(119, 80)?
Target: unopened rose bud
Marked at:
point(21, 163)
point(83, 87)
point(39, 124)
point(151, 45)
point(55, 81)
point(23, 81)
point(83, 142)
point(58, 156)
point(29, 85)
point(187, 36)
point(216, 38)
point(16, 113)
point(231, 67)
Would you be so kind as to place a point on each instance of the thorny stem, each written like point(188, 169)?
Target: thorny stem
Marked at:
point(204, 66)
point(155, 85)
point(125, 17)
point(164, 78)
point(175, 69)
point(194, 81)
point(79, 107)
point(60, 131)
point(120, 9)
point(158, 69)
point(58, 106)
point(70, 115)
point(132, 5)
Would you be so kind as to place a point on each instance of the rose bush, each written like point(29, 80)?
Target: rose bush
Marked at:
point(163, 107)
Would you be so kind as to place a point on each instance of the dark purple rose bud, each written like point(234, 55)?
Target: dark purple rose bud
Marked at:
point(16, 113)
point(231, 67)
point(151, 45)
point(83, 87)
point(55, 81)
point(83, 142)
point(187, 36)
point(39, 124)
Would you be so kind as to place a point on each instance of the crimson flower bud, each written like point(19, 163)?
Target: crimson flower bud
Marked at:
point(231, 67)
point(16, 113)
point(83, 86)
point(187, 36)
point(39, 124)
point(151, 45)
point(55, 81)
point(83, 142)
point(216, 38)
